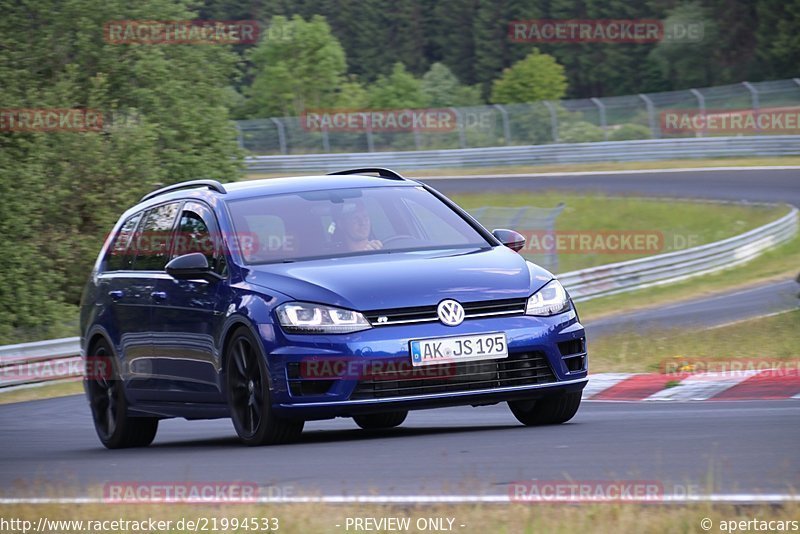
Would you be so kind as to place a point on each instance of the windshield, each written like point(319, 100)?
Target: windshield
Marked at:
point(343, 222)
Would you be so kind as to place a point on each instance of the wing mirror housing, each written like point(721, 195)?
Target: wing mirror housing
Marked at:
point(513, 240)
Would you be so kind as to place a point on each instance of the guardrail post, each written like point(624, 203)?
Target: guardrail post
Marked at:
point(655, 131)
point(281, 134)
point(602, 110)
point(553, 119)
point(701, 106)
point(462, 136)
point(506, 127)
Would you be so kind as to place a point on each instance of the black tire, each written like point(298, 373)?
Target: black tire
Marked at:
point(375, 421)
point(548, 410)
point(249, 396)
point(115, 428)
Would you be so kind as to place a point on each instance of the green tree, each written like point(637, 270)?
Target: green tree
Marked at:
point(494, 51)
point(685, 63)
point(441, 88)
point(165, 120)
point(352, 95)
point(451, 39)
point(301, 70)
point(537, 77)
point(778, 37)
point(400, 89)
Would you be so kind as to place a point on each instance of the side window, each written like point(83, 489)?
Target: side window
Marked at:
point(152, 241)
point(118, 257)
point(194, 235)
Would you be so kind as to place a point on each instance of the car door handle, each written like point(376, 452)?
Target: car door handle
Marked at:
point(158, 295)
point(116, 294)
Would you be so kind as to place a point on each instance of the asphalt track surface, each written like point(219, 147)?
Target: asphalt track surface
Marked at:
point(782, 185)
point(748, 447)
point(741, 446)
point(705, 312)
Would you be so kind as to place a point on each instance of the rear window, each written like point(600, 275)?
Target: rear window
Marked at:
point(118, 257)
point(154, 238)
point(345, 222)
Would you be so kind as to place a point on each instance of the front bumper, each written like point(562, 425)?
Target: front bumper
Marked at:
point(327, 409)
point(542, 338)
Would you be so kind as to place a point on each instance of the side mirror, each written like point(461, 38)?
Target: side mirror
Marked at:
point(513, 240)
point(192, 266)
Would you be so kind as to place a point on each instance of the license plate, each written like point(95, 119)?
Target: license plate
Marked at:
point(458, 349)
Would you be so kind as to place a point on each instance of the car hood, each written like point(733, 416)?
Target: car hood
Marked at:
point(404, 279)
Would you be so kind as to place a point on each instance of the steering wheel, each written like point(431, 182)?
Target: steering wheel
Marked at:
point(397, 237)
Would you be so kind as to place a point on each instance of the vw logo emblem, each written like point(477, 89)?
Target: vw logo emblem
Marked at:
point(450, 312)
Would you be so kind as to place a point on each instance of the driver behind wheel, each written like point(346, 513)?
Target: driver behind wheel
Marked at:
point(353, 228)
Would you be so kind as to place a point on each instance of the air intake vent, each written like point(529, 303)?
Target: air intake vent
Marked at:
point(516, 370)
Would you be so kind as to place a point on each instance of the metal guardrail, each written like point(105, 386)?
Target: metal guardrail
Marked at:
point(642, 150)
point(54, 359)
point(641, 273)
point(42, 361)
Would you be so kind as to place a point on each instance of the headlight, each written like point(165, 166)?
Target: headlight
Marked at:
point(549, 300)
point(306, 318)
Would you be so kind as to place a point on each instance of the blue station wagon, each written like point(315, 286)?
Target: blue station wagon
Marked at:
point(357, 294)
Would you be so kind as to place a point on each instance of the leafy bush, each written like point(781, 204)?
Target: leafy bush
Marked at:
point(580, 132)
point(627, 132)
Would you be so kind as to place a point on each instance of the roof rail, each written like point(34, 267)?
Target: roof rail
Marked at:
point(211, 184)
point(383, 173)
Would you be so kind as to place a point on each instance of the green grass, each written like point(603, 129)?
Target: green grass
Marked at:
point(681, 223)
point(775, 338)
point(50, 391)
point(780, 263)
point(515, 518)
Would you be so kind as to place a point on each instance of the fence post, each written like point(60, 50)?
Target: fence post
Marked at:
point(417, 144)
point(281, 134)
point(602, 109)
point(551, 228)
point(326, 143)
point(239, 138)
point(755, 103)
point(462, 137)
point(651, 116)
point(701, 106)
point(553, 119)
point(753, 94)
point(370, 140)
point(506, 127)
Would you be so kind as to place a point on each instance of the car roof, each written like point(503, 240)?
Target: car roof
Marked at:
point(301, 184)
point(273, 186)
